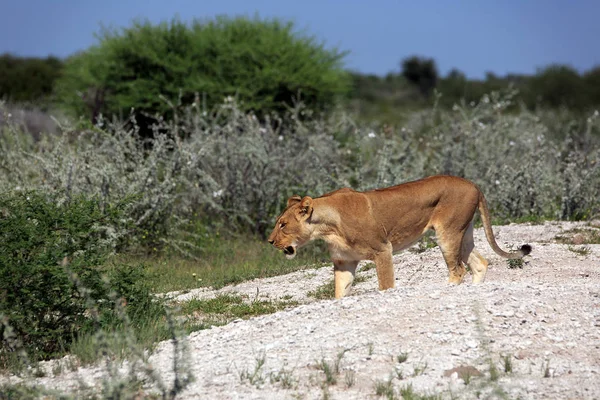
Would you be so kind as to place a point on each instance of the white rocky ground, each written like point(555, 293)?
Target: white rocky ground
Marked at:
point(544, 318)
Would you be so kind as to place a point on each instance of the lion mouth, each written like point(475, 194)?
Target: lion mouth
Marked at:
point(289, 251)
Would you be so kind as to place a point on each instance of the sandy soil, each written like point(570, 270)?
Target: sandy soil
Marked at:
point(542, 321)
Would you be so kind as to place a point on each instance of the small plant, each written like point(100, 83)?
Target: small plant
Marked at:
point(515, 263)
point(323, 292)
point(349, 378)
point(546, 369)
point(22, 391)
point(402, 357)
point(370, 348)
point(508, 368)
point(284, 377)
point(407, 392)
point(419, 368)
point(583, 251)
point(399, 373)
point(367, 267)
point(227, 307)
point(467, 378)
point(494, 374)
point(385, 388)
point(338, 360)
point(255, 377)
point(329, 371)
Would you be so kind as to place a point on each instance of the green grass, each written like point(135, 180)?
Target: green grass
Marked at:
point(515, 263)
point(255, 377)
point(21, 391)
point(228, 307)
point(332, 371)
point(227, 261)
point(408, 393)
point(507, 361)
point(368, 266)
point(118, 341)
point(323, 292)
point(385, 389)
point(583, 251)
point(224, 262)
point(402, 357)
point(194, 315)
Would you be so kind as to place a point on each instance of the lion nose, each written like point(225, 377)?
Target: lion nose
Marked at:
point(271, 241)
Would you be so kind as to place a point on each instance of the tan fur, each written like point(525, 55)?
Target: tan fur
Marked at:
point(372, 225)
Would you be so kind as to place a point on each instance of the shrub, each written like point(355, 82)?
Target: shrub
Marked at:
point(524, 172)
point(421, 72)
point(49, 252)
point(28, 79)
point(228, 170)
point(231, 171)
point(265, 64)
point(559, 85)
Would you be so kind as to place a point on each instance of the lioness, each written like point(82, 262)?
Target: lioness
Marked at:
point(371, 225)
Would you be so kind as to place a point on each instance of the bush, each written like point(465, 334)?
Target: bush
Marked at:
point(265, 64)
point(235, 173)
point(559, 85)
point(232, 170)
point(421, 72)
point(28, 79)
point(524, 169)
point(50, 253)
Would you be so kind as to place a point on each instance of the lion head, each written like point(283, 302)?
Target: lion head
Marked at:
point(291, 229)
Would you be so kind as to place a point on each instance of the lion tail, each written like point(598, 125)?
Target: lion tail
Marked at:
point(489, 234)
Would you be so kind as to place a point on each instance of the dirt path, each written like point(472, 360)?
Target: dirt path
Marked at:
point(541, 321)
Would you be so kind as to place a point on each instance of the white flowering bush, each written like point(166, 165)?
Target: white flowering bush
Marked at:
point(526, 166)
point(226, 168)
point(229, 169)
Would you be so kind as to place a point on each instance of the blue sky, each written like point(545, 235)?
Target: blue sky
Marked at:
point(474, 36)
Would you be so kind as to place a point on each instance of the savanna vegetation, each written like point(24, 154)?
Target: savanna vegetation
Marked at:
point(175, 146)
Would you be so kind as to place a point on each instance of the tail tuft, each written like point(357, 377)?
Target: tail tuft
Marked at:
point(525, 249)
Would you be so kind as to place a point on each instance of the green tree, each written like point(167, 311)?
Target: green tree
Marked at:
point(266, 64)
point(422, 72)
point(453, 87)
point(559, 85)
point(591, 81)
point(28, 79)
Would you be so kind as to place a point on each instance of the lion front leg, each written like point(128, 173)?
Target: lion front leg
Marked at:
point(385, 269)
point(343, 276)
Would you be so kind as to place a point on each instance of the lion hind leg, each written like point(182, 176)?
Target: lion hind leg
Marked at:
point(472, 258)
point(451, 245)
point(343, 272)
point(385, 269)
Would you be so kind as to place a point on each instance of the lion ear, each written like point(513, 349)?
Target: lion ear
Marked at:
point(293, 200)
point(306, 207)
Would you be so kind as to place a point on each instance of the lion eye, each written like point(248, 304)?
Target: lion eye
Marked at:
point(282, 225)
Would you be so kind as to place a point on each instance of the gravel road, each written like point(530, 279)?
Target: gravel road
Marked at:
point(529, 333)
